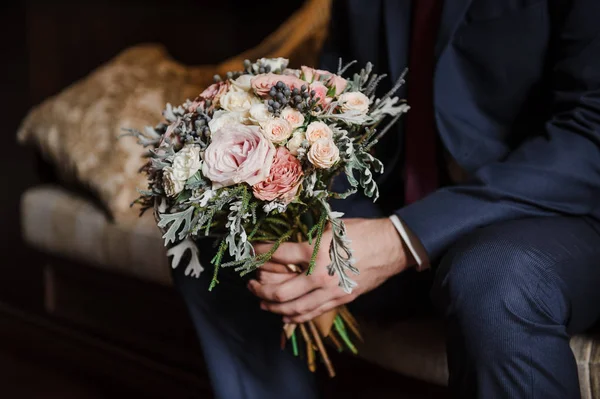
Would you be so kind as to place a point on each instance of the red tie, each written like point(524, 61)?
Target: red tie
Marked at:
point(421, 173)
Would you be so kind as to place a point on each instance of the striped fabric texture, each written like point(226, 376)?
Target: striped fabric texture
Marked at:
point(58, 222)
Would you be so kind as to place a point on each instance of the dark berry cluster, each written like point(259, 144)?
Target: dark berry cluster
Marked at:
point(298, 98)
point(230, 75)
point(253, 69)
point(201, 123)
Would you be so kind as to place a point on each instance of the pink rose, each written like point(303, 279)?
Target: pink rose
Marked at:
point(310, 74)
point(330, 79)
point(284, 179)
point(261, 84)
point(320, 93)
point(338, 83)
point(212, 93)
point(239, 153)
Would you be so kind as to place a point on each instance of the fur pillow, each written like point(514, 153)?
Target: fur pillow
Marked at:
point(78, 130)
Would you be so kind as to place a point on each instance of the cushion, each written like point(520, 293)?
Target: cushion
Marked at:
point(57, 221)
point(78, 129)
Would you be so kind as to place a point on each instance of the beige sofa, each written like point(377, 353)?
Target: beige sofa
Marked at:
point(56, 221)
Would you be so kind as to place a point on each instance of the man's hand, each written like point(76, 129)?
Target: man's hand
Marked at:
point(378, 249)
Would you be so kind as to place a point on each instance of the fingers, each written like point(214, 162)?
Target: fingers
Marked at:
point(302, 318)
point(287, 253)
point(289, 290)
point(301, 306)
point(273, 267)
point(266, 277)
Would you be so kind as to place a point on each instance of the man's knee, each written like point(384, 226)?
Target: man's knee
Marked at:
point(490, 281)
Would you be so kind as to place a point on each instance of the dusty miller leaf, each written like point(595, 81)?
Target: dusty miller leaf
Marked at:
point(180, 221)
point(194, 268)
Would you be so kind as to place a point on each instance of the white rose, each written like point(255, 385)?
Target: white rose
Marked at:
point(222, 118)
point(318, 130)
point(276, 64)
point(238, 101)
point(187, 162)
point(295, 118)
point(277, 130)
point(323, 153)
point(295, 142)
point(259, 113)
point(171, 184)
point(243, 82)
point(354, 101)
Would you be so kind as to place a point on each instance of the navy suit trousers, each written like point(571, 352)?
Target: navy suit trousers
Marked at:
point(511, 294)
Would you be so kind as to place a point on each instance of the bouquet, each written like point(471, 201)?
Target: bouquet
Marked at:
point(253, 158)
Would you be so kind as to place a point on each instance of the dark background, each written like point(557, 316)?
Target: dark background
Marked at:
point(47, 45)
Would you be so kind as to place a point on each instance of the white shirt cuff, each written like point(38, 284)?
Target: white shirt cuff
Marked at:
point(412, 242)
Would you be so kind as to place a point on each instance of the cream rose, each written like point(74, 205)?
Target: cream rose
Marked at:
point(187, 160)
point(354, 101)
point(243, 82)
point(295, 143)
point(239, 153)
point(238, 101)
point(259, 113)
point(323, 153)
point(185, 164)
point(171, 183)
point(222, 118)
point(277, 130)
point(295, 118)
point(318, 130)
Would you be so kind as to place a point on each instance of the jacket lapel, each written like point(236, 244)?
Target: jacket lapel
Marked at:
point(364, 17)
point(397, 16)
point(452, 15)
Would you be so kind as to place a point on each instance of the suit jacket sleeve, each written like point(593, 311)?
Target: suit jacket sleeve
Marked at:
point(556, 172)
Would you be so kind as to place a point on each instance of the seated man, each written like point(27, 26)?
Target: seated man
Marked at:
point(505, 99)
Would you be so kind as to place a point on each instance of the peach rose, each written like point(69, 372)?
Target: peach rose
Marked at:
point(261, 84)
point(277, 130)
point(318, 130)
point(354, 101)
point(295, 118)
point(284, 179)
point(323, 153)
point(239, 153)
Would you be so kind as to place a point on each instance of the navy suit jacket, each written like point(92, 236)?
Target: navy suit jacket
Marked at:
point(517, 105)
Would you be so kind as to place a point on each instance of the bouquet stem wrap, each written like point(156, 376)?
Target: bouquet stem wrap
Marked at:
point(333, 326)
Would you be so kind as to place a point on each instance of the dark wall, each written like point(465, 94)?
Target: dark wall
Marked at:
point(47, 45)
